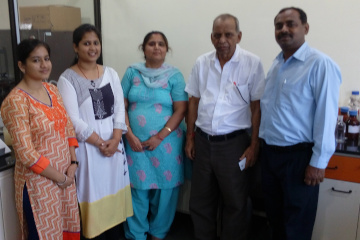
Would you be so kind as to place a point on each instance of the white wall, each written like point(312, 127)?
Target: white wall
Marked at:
point(4, 15)
point(334, 29)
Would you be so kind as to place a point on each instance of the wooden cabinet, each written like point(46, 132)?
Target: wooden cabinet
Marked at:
point(339, 201)
point(344, 168)
point(9, 222)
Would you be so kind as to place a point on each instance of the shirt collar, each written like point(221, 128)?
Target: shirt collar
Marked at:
point(300, 54)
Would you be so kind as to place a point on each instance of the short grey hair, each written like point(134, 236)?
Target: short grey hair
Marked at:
point(225, 16)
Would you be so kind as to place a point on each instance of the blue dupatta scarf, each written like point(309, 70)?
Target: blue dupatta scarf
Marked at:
point(155, 77)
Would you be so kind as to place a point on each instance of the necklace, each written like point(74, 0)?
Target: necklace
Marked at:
point(97, 67)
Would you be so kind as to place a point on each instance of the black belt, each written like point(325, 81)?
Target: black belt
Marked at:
point(219, 138)
point(291, 148)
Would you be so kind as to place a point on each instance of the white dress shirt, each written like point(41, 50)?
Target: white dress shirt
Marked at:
point(225, 94)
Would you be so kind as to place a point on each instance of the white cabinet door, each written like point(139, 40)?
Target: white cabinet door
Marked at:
point(338, 211)
point(9, 215)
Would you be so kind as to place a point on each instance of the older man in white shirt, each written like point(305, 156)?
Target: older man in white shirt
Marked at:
point(226, 85)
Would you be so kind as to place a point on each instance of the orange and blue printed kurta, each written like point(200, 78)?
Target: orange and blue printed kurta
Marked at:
point(41, 136)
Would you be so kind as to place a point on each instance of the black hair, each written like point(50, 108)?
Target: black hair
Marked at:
point(79, 33)
point(147, 38)
point(26, 46)
point(303, 17)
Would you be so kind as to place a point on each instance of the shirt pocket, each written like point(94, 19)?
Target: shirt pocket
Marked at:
point(241, 93)
point(295, 91)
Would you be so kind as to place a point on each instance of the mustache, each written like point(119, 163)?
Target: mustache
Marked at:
point(281, 35)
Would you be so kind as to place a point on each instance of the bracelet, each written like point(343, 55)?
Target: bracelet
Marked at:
point(97, 140)
point(75, 162)
point(159, 137)
point(167, 128)
point(192, 134)
point(62, 183)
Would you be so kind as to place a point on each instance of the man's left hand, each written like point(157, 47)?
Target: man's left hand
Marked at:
point(251, 154)
point(313, 175)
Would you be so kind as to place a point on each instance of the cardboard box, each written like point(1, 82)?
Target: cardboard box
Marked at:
point(52, 17)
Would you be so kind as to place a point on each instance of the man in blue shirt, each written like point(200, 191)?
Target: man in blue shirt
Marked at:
point(298, 117)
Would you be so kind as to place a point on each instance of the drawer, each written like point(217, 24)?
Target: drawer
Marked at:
point(343, 168)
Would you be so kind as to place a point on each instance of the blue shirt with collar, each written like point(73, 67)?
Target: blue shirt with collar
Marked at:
point(300, 103)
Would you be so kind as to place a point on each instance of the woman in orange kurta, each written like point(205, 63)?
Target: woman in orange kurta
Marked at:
point(44, 144)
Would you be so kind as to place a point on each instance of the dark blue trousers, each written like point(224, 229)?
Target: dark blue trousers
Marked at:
point(33, 234)
point(290, 204)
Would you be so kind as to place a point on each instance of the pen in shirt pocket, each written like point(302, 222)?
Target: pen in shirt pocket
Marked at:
point(240, 93)
point(284, 82)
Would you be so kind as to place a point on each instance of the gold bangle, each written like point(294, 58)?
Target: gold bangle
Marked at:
point(167, 128)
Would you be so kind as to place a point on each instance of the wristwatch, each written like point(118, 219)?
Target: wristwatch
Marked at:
point(75, 162)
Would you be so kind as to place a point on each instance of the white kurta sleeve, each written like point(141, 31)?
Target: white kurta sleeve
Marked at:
point(119, 106)
point(68, 93)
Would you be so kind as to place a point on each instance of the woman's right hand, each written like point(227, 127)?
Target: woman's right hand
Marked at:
point(69, 180)
point(134, 142)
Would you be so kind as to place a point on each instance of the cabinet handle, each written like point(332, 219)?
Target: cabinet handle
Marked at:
point(340, 191)
point(332, 168)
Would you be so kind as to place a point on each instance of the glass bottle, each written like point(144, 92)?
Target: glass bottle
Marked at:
point(344, 111)
point(340, 130)
point(354, 101)
point(352, 129)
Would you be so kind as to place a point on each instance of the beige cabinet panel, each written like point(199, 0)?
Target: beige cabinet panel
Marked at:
point(338, 211)
point(9, 217)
